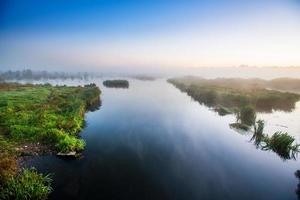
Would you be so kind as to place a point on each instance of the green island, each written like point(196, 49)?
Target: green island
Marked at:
point(244, 98)
point(34, 120)
point(116, 83)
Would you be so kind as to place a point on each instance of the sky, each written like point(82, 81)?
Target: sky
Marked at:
point(97, 34)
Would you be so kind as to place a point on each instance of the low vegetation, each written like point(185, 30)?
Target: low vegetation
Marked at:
point(44, 113)
point(246, 115)
point(231, 94)
point(116, 83)
point(281, 143)
point(28, 184)
point(245, 97)
point(39, 116)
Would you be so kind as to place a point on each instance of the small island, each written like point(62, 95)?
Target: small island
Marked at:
point(116, 83)
point(35, 120)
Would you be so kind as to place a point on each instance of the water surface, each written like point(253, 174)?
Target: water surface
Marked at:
point(152, 141)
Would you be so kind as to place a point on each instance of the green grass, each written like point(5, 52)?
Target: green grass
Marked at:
point(29, 184)
point(45, 113)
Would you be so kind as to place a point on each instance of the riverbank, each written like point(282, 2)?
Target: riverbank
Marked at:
point(232, 94)
point(40, 119)
point(244, 99)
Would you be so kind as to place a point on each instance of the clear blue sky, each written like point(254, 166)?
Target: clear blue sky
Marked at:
point(93, 34)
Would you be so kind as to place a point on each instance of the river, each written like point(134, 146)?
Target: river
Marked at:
point(152, 141)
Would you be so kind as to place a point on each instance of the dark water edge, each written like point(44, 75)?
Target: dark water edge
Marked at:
point(151, 141)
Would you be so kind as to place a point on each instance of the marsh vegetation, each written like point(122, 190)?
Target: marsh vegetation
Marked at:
point(116, 83)
point(28, 184)
point(281, 143)
point(45, 113)
point(244, 98)
point(236, 93)
point(39, 116)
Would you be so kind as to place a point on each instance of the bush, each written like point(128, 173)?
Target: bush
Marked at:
point(282, 144)
point(116, 83)
point(258, 135)
point(27, 185)
point(247, 115)
point(68, 143)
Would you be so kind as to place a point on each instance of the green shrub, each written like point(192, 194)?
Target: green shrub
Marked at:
point(68, 143)
point(258, 135)
point(247, 115)
point(282, 144)
point(116, 83)
point(29, 184)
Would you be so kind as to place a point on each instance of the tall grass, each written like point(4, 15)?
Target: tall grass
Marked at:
point(282, 144)
point(29, 184)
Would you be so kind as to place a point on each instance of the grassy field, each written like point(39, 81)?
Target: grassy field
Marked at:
point(33, 117)
point(46, 114)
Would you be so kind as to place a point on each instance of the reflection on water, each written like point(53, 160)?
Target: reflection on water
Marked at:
point(297, 174)
point(151, 141)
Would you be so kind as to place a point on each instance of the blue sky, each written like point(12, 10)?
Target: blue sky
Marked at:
point(95, 34)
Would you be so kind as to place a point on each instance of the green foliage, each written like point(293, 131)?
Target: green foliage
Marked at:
point(258, 135)
point(45, 113)
point(282, 144)
point(247, 115)
point(259, 127)
point(68, 143)
point(236, 93)
point(116, 83)
point(244, 97)
point(27, 185)
point(8, 167)
point(8, 163)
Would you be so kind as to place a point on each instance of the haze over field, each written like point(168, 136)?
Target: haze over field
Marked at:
point(148, 36)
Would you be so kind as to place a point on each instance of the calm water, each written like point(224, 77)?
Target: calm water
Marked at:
point(153, 142)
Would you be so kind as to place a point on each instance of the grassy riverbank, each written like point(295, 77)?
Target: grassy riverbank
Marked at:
point(236, 93)
point(244, 98)
point(35, 118)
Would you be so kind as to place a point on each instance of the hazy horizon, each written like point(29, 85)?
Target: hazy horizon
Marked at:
point(148, 35)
